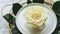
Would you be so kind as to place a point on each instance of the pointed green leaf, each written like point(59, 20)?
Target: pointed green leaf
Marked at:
point(16, 7)
point(15, 30)
point(29, 1)
point(56, 7)
point(9, 18)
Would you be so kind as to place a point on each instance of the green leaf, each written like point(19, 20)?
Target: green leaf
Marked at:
point(29, 1)
point(58, 25)
point(38, 1)
point(9, 18)
point(16, 7)
point(15, 30)
point(58, 19)
point(58, 32)
point(56, 7)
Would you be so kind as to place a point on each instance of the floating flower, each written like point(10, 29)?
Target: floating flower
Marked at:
point(35, 17)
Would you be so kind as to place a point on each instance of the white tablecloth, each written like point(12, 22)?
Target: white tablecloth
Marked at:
point(3, 22)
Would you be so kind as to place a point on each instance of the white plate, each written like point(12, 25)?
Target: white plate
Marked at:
point(50, 23)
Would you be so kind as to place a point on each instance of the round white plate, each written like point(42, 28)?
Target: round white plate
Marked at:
point(50, 23)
